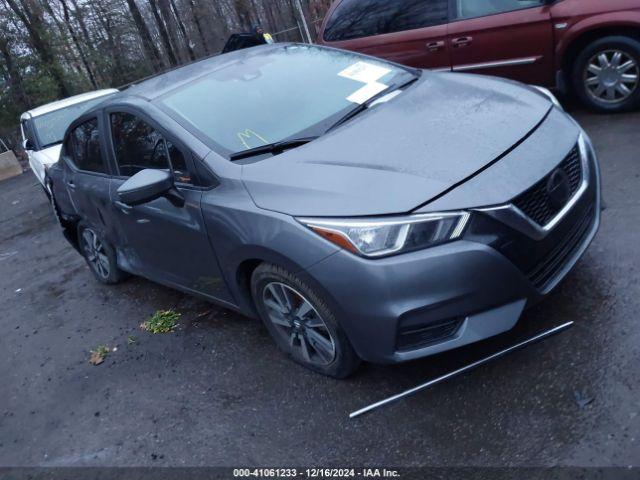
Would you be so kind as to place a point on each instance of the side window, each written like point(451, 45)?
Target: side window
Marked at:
point(357, 18)
point(412, 14)
point(85, 142)
point(364, 18)
point(139, 146)
point(475, 8)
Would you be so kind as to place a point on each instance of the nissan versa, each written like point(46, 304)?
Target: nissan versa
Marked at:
point(363, 210)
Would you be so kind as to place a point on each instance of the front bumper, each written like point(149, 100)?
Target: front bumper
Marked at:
point(457, 293)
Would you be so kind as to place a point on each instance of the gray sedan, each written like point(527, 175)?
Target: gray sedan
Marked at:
point(363, 210)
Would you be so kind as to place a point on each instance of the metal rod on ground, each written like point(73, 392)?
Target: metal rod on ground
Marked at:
point(471, 366)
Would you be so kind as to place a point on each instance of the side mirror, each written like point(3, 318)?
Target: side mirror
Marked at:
point(148, 185)
point(27, 145)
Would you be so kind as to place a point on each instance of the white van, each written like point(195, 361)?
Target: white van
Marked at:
point(44, 127)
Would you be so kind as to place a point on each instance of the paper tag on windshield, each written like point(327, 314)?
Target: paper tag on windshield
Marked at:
point(364, 72)
point(367, 92)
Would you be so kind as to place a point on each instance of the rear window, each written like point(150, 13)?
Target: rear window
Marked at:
point(365, 18)
point(85, 142)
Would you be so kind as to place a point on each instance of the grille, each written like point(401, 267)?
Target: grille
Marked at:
point(535, 202)
point(427, 335)
point(543, 273)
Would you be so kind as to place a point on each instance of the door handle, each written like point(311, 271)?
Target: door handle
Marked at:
point(71, 185)
point(462, 41)
point(435, 46)
point(123, 207)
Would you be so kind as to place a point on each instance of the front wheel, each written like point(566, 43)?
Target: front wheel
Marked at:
point(606, 74)
point(301, 323)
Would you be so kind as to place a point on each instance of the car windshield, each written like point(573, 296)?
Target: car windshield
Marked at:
point(50, 127)
point(280, 94)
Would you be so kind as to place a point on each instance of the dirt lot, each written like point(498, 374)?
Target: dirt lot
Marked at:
point(217, 392)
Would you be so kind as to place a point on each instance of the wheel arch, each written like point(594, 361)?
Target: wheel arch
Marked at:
point(248, 259)
point(68, 223)
point(582, 35)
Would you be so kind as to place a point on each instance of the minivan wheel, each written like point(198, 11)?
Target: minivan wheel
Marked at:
point(606, 74)
point(301, 323)
point(99, 255)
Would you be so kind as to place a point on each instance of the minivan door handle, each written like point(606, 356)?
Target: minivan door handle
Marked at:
point(71, 185)
point(435, 46)
point(462, 41)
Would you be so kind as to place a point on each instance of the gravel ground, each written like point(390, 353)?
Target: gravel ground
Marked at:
point(217, 392)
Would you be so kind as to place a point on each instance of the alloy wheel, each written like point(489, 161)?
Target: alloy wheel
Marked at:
point(95, 252)
point(611, 76)
point(299, 324)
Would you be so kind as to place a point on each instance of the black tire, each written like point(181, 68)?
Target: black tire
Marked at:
point(630, 49)
point(343, 362)
point(103, 266)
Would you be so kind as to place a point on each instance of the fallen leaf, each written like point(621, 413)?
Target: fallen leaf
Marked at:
point(98, 355)
point(96, 358)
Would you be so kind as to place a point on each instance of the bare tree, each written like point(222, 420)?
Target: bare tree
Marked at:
point(183, 30)
point(77, 43)
point(12, 76)
point(164, 34)
point(147, 41)
point(196, 20)
point(31, 16)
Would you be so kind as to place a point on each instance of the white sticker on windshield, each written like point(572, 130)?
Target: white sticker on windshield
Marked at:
point(367, 92)
point(364, 72)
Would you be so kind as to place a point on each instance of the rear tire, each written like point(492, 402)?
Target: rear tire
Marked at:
point(606, 74)
point(301, 322)
point(99, 255)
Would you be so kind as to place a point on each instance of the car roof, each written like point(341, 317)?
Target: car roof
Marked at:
point(57, 105)
point(163, 83)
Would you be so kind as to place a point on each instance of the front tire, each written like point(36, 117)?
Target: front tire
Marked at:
point(606, 74)
point(301, 322)
point(99, 255)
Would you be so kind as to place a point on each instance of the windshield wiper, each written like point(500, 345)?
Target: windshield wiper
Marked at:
point(363, 106)
point(275, 148)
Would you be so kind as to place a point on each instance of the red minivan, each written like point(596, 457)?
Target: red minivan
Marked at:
point(591, 47)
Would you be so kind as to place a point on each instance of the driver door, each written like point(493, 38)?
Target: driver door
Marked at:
point(163, 242)
point(506, 38)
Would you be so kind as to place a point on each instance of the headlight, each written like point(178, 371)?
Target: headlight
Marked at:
point(380, 237)
point(547, 93)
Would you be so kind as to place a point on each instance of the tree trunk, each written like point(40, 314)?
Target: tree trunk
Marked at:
point(147, 42)
point(13, 77)
point(164, 34)
point(183, 30)
point(69, 55)
point(243, 10)
point(83, 26)
point(74, 38)
point(33, 20)
point(196, 20)
point(118, 71)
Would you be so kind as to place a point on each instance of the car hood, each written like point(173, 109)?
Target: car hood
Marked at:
point(50, 155)
point(400, 154)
